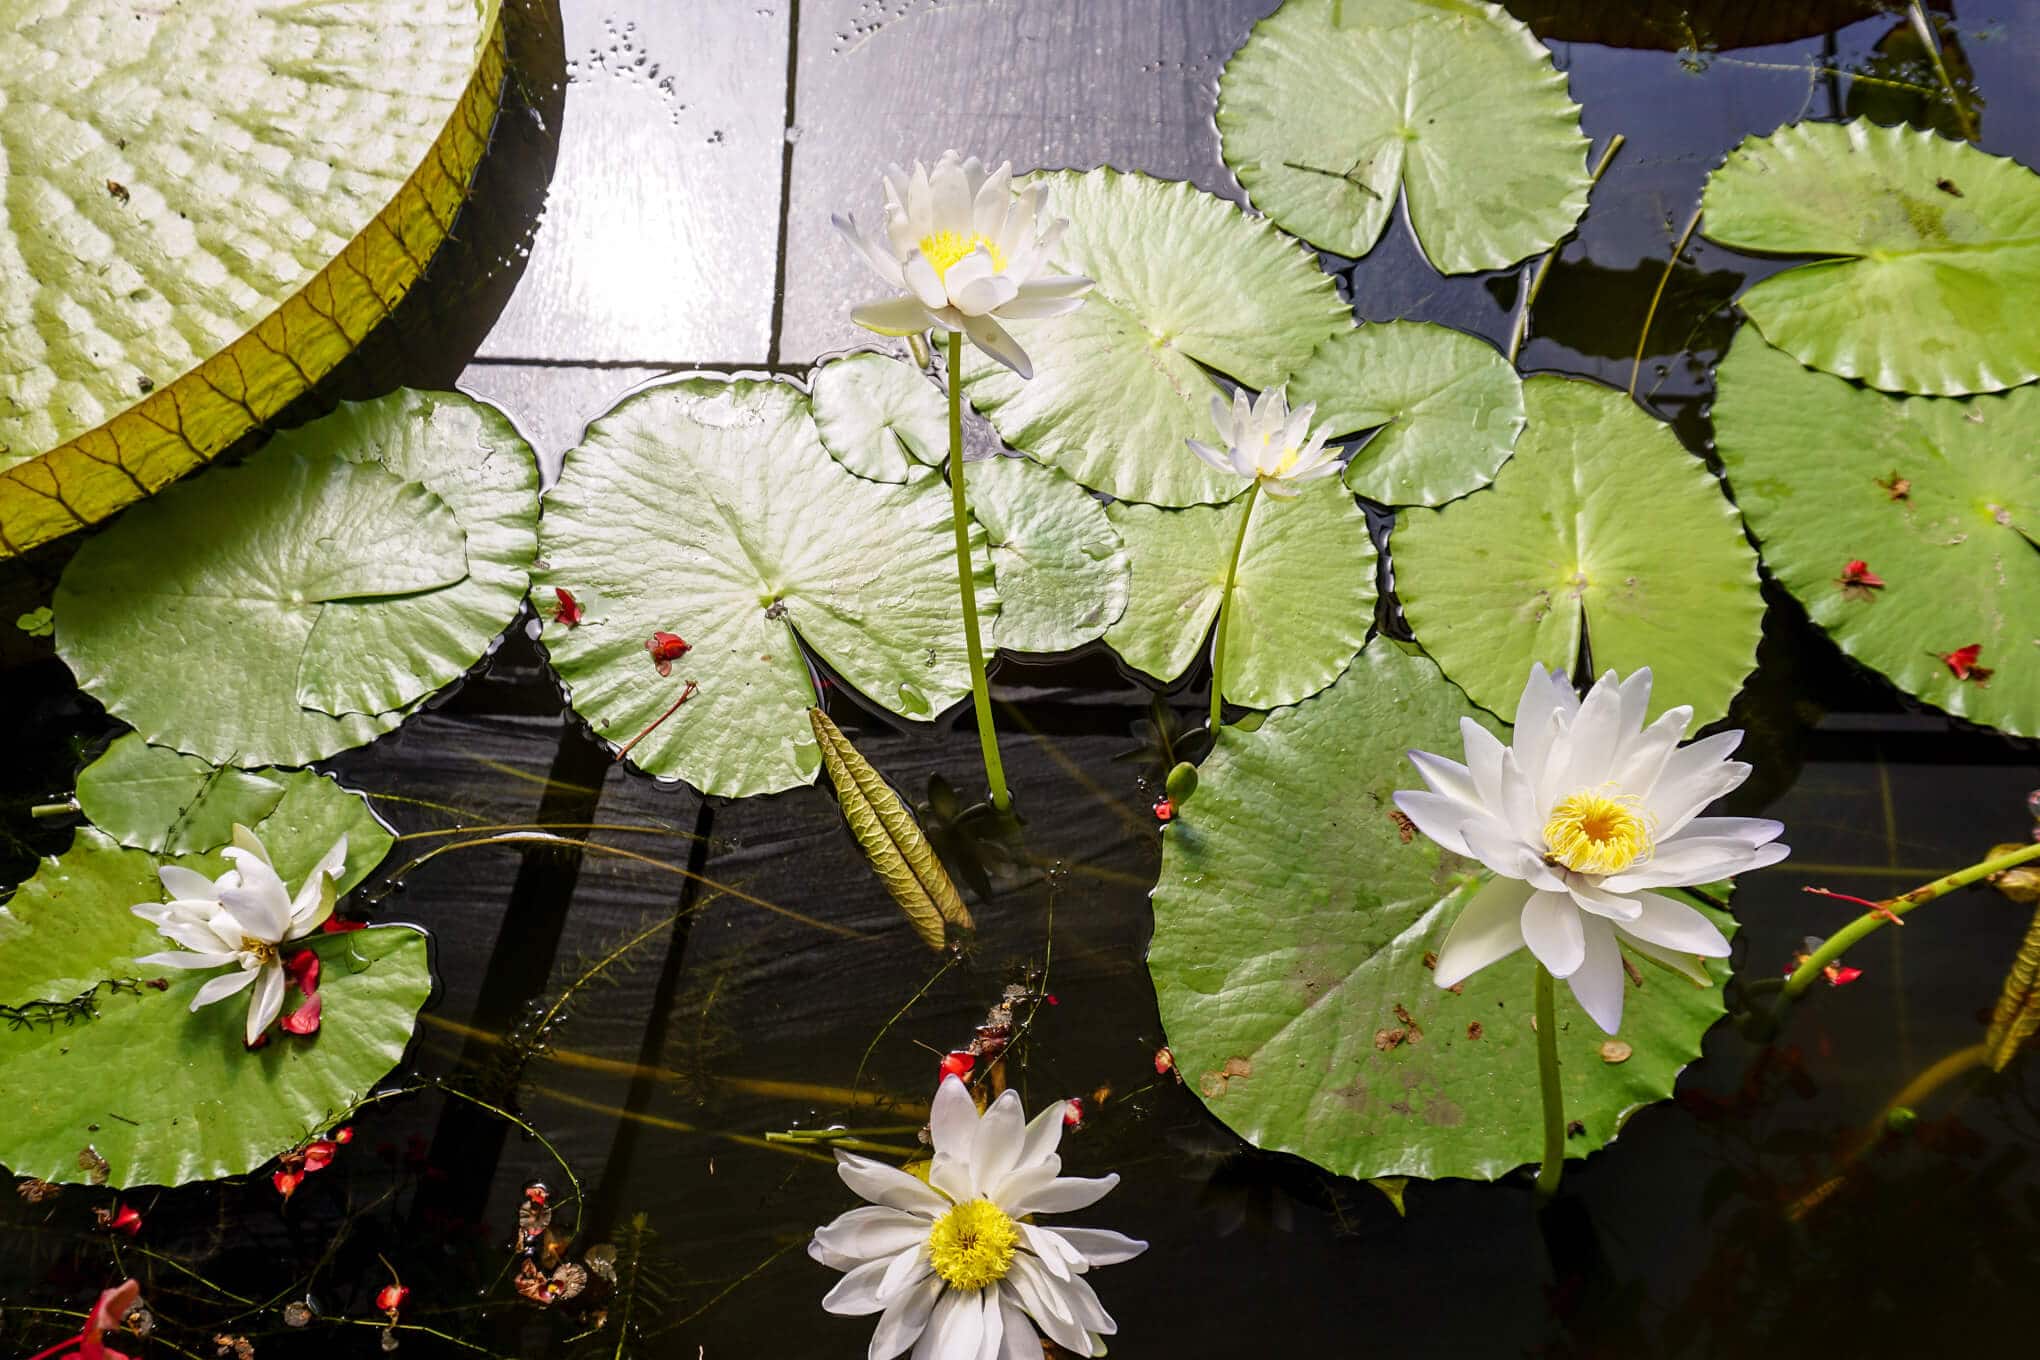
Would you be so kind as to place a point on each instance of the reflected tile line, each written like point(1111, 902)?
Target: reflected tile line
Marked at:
point(786, 144)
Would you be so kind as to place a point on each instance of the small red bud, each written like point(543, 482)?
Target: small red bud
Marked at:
point(666, 648)
point(126, 1218)
point(1165, 809)
point(957, 1065)
point(391, 1297)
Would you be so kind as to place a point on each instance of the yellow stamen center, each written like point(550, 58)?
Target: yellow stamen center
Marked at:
point(973, 1245)
point(945, 248)
point(1592, 832)
point(263, 951)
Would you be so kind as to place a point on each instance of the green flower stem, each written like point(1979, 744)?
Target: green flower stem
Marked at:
point(1232, 570)
point(1520, 330)
point(980, 692)
point(1869, 923)
point(1547, 1081)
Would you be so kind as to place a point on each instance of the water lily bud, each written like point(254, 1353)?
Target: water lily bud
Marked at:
point(1182, 782)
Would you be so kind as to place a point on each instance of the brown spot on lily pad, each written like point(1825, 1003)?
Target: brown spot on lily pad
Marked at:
point(1615, 1051)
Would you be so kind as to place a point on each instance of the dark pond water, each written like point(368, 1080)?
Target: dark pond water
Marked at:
point(638, 216)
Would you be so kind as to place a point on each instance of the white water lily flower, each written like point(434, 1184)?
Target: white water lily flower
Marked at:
point(953, 1266)
point(1265, 440)
point(965, 251)
point(1584, 814)
point(242, 918)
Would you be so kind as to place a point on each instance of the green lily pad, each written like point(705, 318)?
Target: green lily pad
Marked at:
point(297, 605)
point(710, 509)
point(1186, 283)
point(1062, 572)
point(1445, 408)
point(1939, 498)
point(880, 418)
point(1292, 920)
point(1602, 529)
point(1302, 603)
point(209, 207)
point(312, 813)
point(157, 799)
point(167, 1095)
point(1331, 110)
point(1935, 274)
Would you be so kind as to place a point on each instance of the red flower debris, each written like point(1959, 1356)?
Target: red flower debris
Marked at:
point(391, 1297)
point(303, 967)
point(121, 1218)
point(109, 1313)
point(1858, 582)
point(666, 648)
point(337, 926)
point(1840, 975)
point(1896, 488)
point(566, 609)
point(1165, 809)
point(957, 1065)
point(298, 1163)
point(1962, 661)
point(1165, 1061)
point(1073, 1113)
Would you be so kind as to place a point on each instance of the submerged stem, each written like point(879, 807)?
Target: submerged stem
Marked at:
point(1657, 296)
point(1547, 1082)
point(980, 692)
point(1232, 570)
point(1520, 331)
point(1886, 913)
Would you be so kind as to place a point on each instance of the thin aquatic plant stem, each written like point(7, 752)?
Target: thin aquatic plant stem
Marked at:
point(980, 692)
point(1657, 296)
point(1869, 923)
point(1232, 571)
point(1932, 43)
point(1547, 1083)
point(1520, 331)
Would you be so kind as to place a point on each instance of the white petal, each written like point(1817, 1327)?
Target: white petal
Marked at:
point(1484, 752)
point(187, 884)
point(1685, 965)
point(1673, 925)
point(1021, 1341)
point(906, 1270)
point(267, 1002)
point(968, 270)
point(1055, 287)
point(882, 1184)
point(1437, 816)
point(871, 1231)
point(1598, 982)
point(1489, 928)
point(1519, 807)
point(993, 202)
point(1634, 696)
point(1031, 1193)
point(1499, 849)
point(956, 1329)
point(1751, 831)
point(1643, 760)
point(1700, 860)
point(314, 900)
point(881, 262)
point(996, 1150)
point(1056, 1256)
point(993, 1319)
point(184, 958)
point(857, 1292)
point(1039, 1295)
point(260, 905)
point(989, 336)
point(1216, 457)
point(1538, 715)
point(248, 844)
point(1025, 308)
point(893, 316)
point(952, 1118)
point(952, 195)
point(1595, 736)
point(923, 281)
point(222, 987)
point(1553, 931)
point(1044, 1136)
point(1447, 777)
point(196, 936)
point(1693, 776)
point(981, 297)
point(906, 1317)
point(1099, 1246)
point(1592, 897)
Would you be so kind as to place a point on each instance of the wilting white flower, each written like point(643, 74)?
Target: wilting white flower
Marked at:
point(953, 1263)
point(1265, 440)
point(242, 918)
point(965, 251)
point(1579, 818)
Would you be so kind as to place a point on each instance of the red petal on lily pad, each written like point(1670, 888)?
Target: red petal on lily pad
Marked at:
point(566, 609)
point(666, 648)
point(303, 968)
point(1962, 661)
point(305, 1019)
point(337, 926)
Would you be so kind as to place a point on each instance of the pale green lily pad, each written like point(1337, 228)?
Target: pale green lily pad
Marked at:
point(1935, 275)
point(880, 418)
point(1331, 110)
point(1601, 528)
point(1302, 603)
point(157, 799)
point(1292, 919)
point(710, 509)
point(297, 605)
point(209, 206)
point(1445, 407)
point(1939, 498)
point(164, 1094)
point(1061, 570)
point(1185, 283)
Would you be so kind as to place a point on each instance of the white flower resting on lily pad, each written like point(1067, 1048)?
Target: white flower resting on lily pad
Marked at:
point(1265, 440)
point(965, 251)
point(242, 918)
point(953, 1264)
point(1584, 814)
